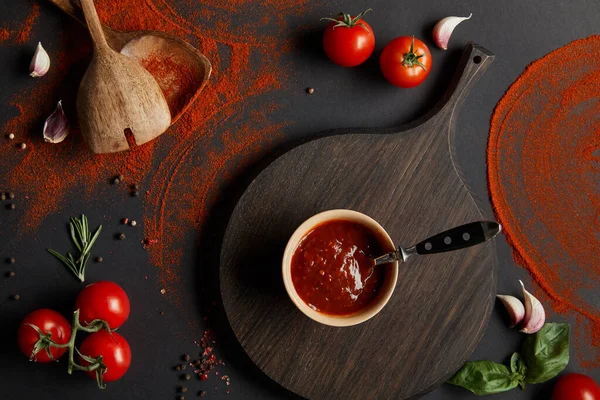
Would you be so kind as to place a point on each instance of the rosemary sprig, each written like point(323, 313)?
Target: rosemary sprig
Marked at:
point(83, 240)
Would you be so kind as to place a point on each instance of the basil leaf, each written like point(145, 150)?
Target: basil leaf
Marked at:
point(484, 377)
point(546, 352)
point(518, 367)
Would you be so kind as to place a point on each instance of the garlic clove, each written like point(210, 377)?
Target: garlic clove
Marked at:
point(535, 316)
point(443, 30)
point(514, 307)
point(40, 63)
point(56, 127)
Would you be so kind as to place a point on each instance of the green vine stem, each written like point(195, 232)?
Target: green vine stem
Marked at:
point(96, 364)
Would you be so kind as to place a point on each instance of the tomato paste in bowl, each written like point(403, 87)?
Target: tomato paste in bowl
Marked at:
point(329, 271)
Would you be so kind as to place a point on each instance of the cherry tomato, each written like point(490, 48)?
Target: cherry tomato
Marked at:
point(49, 322)
point(103, 300)
point(576, 387)
point(348, 41)
point(405, 62)
point(115, 352)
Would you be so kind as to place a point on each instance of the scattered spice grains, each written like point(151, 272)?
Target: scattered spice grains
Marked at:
point(121, 236)
point(99, 259)
point(310, 90)
point(202, 393)
point(222, 128)
point(10, 274)
point(11, 260)
point(543, 163)
point(11, 206)
point(16, 297)
point(2, 196)
point(182, 389)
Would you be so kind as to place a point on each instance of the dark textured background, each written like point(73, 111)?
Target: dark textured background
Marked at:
point(517, 32)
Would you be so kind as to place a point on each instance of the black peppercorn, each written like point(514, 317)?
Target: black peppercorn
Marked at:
point(116, 181)
point(177, 368)
point(16, 297)
point(182, 389)
point(135, 187)
point(11, 206)
point(10, 195)
point(2, 196)
point(186, 377)
point(99, 259)
point(120, 177)
point(180, 398)
point(121, 236)
point(10, 274)
point(202, 393)
point(185, 357)
point(135, 193)
point(11, 260)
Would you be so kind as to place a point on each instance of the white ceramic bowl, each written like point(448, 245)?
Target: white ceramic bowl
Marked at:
point(385, 292)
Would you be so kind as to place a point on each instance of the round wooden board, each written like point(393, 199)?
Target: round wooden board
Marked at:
point(406, 180)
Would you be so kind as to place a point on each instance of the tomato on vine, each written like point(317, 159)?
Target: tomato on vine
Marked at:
point(106, 301)
point(37, 332)
point(114, 351)
point(348, 41)
point(405, 62)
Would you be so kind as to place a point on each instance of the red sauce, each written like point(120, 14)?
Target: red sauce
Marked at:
point(332, 268)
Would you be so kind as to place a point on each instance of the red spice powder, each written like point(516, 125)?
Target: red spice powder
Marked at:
point(226, 129)
point(20, 31)
point(543, 170)
point(25, 29)
point(4, 35)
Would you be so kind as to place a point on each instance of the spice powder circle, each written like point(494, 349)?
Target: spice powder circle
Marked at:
point(543, 174)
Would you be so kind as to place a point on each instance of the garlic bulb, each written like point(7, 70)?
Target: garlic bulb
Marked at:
point(56, 127)
point(40, 64)
point(514, 307)
point(535, 316)
point(443, 30)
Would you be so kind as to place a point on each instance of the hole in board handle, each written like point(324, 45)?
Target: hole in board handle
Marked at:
point(477, 59)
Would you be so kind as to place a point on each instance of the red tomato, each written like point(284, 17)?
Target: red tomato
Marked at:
point(115, 352)
point(49, 322)
point(348, 41)
point(405, 62)
point(576, 387)
point(103, 300)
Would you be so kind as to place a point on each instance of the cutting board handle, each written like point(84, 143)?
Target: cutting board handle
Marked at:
point(474, 62)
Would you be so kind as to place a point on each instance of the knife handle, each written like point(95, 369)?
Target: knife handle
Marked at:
point(458, 238)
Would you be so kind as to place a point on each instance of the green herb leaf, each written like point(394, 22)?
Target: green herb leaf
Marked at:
point(546, 352)
point(484, 377)
point(83, 240)
point(518, 367)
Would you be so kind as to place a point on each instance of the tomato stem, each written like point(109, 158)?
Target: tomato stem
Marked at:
point(347, 21)
point(96, 364)
point(411, 58)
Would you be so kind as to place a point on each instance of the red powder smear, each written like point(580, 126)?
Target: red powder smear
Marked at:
point(224, 131)
point(4, 35)
point(25, 29)
point(543, 171)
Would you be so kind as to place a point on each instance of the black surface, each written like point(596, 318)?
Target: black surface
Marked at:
point(517, 32)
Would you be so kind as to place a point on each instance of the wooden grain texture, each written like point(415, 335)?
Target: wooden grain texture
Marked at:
point(405, 179)
point(138, 44)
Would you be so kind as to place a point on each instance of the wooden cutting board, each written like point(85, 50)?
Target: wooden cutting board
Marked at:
point(405, 179)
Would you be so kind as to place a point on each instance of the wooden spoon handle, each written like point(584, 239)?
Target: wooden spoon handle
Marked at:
point(115, 39)
point(68, 7)
point(94, 25)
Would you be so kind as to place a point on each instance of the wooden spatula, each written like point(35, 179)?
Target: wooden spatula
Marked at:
point(117, 94)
